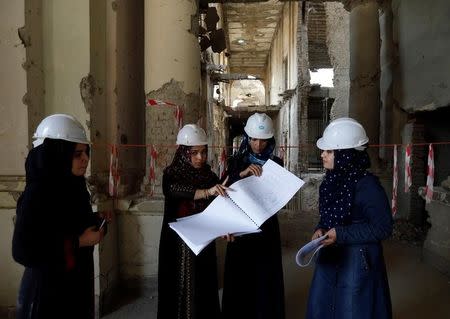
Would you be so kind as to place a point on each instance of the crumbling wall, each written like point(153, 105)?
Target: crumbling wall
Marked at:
point(338, 38)
point(422, 30)
point(162, 126)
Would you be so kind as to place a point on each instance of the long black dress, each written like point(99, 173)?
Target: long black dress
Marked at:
point(187, 284)
point(253, 280)
point(52, 212)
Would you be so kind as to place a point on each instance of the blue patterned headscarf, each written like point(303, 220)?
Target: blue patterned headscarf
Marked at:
point(337, 190)
point(245, 150)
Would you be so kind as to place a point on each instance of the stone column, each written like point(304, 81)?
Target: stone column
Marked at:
point(387, 60)
point(364, 100)
point(303, 88)
point(100, 89)
point(13, 141)
point(130, 88)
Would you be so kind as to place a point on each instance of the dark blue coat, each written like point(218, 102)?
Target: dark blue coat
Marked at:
point(350, 280)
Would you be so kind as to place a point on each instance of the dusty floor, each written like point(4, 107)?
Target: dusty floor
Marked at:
point(417, 289)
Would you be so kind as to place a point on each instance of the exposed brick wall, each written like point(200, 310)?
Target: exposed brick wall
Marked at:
point(317, 37)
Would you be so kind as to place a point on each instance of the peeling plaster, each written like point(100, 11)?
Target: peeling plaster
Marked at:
point(428, 107)
point(161, 127)
point(87, 92)
point(24, 37)
point(173, 92)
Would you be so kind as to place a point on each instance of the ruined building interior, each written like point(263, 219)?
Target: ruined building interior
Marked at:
point(134, 71)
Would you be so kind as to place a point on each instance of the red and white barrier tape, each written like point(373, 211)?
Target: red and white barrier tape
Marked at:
point(394, 183)
point(430, 175)
point(408, 175)
point(114, 177)
point(152, 174)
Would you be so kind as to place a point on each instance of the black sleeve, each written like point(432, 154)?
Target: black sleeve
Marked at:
point(233, 169)
point(38, 240)
point(373, 202)
point(173, 189)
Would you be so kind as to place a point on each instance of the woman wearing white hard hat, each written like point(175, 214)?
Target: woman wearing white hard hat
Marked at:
point(55, 228)
point(187, 284)
point(253, 282)
point(350, 279)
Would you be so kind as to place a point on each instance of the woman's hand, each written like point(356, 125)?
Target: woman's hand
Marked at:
point(253, 169)
point(318, 233)
point(229, 238)
point(331, 237)
point(107, 214)
point(90, 237)
point(219, 189)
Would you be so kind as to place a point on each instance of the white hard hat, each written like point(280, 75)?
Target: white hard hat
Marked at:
point(191, 135)
point(259, 125)
point(60, 127)
point(343, 133)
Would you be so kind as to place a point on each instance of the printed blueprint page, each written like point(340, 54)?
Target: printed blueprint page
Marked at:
point(261, 197)
point(221, 217)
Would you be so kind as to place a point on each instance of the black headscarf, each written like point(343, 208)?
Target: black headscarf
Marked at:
point(338, 188)
point(49, 168)
point(55, 203)
point(182, 170)
point(51, 161)
point(245, 151)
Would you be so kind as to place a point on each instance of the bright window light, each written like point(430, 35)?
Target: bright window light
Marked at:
point(324, 77)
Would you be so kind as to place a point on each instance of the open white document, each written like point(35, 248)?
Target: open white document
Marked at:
point(307, 253)
point(250, 202)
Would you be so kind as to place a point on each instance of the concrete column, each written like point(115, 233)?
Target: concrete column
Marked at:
point(34, 97)
point(172, 73)
point(387, 60)
point(171, 48)
point(13, 118)
point(364, 100)
point(303, 86)
point(99, 91)
point(65, 36)
point(130, 88)
point(13, 141)
point(338, 39)
point(100, 87)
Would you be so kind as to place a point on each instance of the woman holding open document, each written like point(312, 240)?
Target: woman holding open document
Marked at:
point(253, 282)
point(187, 284)
point(350, 279)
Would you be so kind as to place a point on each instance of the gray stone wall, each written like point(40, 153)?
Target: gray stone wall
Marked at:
point(436, 248)
point(422, 31)
point(338, 38)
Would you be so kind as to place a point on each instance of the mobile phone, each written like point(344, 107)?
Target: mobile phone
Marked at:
point(102, 224)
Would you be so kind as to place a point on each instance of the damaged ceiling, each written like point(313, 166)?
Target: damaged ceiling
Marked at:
point(250, 28)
